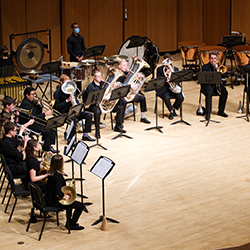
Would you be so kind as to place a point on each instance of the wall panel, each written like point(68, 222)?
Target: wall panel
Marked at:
point(106, 24)
point(189, 20)
point(162, 23)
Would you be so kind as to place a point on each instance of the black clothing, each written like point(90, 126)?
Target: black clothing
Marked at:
point(211, 89)
point(63, 107)
point(53, 192)
point(48, 136)
point(33, 163)
point(13, 157)
point(75, 46)
point(166, 94)
point(6, 62)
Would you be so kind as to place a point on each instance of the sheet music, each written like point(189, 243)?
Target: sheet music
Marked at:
point(69, 130)
point(79, 153)
point(70, 145)
point(102, 167)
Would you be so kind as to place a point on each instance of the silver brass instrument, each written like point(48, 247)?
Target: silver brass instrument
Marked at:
point(28, 131)
point(135, 77)
point(112, 77)
point(70, 191)
point(69, 87)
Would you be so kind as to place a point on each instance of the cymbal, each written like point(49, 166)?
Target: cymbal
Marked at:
point(116, 58)
point(33, 71)
point(102, 58)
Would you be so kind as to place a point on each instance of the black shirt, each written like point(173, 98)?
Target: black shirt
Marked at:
point(32, 163)
point(6, 62)
point(76, 47)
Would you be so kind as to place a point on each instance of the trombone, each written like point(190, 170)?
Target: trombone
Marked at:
point(48, 104)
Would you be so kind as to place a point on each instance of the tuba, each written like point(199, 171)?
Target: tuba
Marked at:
point(135, 78)
point(112, 77)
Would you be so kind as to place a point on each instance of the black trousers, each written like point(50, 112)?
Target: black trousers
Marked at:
point(142, 100)
point(88, 119)
point(78, 208)
point(120, 111)
point(167, 94)
point(97, 114)
point(19, 169)
point(209, 91)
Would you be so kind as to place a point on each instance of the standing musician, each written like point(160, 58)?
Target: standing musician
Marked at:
point(63, 102)
point(122, 66)
point(53, 193)
point(169, 89)
point(28, 103)
point(5, 60)
point(209, 90)
point(75, 44)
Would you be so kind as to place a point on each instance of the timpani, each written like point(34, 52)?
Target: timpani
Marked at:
point(206, 50)
point(242, 54)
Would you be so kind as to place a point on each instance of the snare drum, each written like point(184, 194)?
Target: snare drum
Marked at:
point(242, 54)
point(189, 50)
point(205, 50)
point(78, 73)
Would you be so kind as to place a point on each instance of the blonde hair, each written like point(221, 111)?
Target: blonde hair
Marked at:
point(63, 77)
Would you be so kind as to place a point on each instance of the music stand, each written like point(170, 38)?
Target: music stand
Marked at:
point(155, 84)
point(136, 41)
point(95, 51)
point(49, 68)
point(54, 123)
point(95, 97)
point(102, 168)
point(245, 71)
point(179, 77)
point(119, 93)
point(206, 77)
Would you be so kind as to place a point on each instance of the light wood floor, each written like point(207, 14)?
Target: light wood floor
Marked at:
point(187, 188)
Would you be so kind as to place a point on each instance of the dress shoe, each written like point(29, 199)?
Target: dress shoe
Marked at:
point(33, 219)
point(174, 113)
point(145, 120)
point(119, 129)
point(54, 151)
point(223, 114)
point(75, 227)
point(87, 138)
point(171, 116)
point(97, 136)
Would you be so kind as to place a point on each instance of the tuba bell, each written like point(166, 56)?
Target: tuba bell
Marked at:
point(69, 88)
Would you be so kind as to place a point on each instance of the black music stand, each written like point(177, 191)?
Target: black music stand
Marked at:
point(179, 77)
point(102, 168)
point(136, 41)
point(119, 93)
point(206, 77)
point(54, 123)
point(155, 84)
point(95, 51)
point(246, 71)
point(49, 68)
point(95, 98)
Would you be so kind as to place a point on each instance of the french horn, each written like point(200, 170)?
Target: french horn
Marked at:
point(70, 191)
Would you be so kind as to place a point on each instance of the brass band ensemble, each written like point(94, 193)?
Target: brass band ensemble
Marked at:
point(31, 110)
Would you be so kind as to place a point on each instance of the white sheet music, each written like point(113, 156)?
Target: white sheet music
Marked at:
point(70, 145)
point(79, 153)
point(69, 130)
point(102, 167)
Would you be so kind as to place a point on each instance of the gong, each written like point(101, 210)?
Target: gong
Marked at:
point(30, 53)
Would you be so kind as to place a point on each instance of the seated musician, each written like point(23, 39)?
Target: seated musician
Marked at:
point(9, 107)
point(5, 60)
point(9, 148)
point(37, 113)
point(210, 90)
point(63, 102)
point(122, 66)
point(168, 91)
point(33, 166)
point(53, 192)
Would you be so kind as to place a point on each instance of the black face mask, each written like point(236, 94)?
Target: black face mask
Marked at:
point(5, 54)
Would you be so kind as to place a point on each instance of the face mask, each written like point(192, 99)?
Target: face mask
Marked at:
point(5, 54)
point(76, 30)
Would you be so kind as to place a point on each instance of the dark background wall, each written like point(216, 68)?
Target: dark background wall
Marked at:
point(164, 22)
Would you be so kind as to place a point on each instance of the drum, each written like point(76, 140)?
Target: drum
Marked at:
point(148, 52)
point(78, 73)
point(189, 50)
point(205, 50)
point(242, 54)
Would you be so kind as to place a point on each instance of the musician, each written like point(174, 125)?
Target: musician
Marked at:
point(9, 106)
point(122, 66)
point(33, 166)
point(29, 103)
point(53, 193)
point(210, 90)
point(75, 44)
point(5, 60)
point(166, 92)
point(9, 148)
point(63, 102)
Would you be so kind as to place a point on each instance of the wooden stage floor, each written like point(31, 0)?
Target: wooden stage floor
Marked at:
point(185, 188)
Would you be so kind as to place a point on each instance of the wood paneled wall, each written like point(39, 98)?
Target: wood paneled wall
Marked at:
point(165, 22)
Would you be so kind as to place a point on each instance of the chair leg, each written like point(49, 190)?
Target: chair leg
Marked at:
point(31, 214)
point(111, 118)
point(133, 110)
point(5, 192)
point(8, 203)
point(40, 236)
point(243, 99)
point(2, 183)
point(162, 109)
point(57, 219)
point(12, 210)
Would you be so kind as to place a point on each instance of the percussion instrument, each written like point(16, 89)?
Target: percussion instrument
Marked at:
point(189, 49)
point(242, 54)
point(79, 73)
point(148, 52)
point(68, 65)
point(205, 50)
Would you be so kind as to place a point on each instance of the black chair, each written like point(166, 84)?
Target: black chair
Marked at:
point(163, 103)
point(16, 190)
point(39, 203)
point(215, 94)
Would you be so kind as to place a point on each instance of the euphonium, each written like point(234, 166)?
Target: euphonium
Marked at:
point(70, 87)
point(70, 191)
point(112, 77)
point(135, 78)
